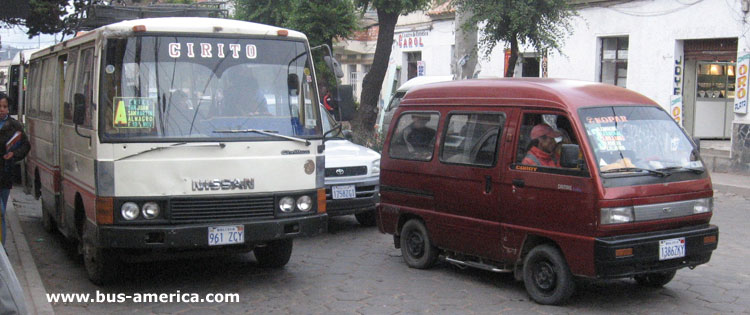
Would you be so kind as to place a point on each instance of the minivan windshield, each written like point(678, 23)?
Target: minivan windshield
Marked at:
point(638, 139)
point(181, 88)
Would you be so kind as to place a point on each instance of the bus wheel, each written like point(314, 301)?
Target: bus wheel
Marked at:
point(275, 254)
point(366, 218)
point(655, 279)
point(100, 265)
point(546, 275)
point(416, 247)
point(47, 222)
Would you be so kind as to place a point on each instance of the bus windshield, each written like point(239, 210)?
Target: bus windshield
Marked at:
point(638, 139)
point(168, 88)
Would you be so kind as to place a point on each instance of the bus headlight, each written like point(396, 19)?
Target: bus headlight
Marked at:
point(286, 204)
point(304, 203)
point(151, 210)
point(703, 205)
point(616, 215)
point(129, 211)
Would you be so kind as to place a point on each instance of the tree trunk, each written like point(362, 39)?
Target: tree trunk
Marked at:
point(466, 47)
point(513, 57)
point(364, 119)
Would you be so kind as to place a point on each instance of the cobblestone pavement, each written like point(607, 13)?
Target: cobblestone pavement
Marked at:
point(357, 270)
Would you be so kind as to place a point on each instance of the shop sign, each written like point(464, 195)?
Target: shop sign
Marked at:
point(675, 108)
point(675, 101)
point(420, 68)
point(741, 85)
point(412, 39)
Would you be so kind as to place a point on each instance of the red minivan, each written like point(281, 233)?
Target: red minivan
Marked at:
point(549, 179)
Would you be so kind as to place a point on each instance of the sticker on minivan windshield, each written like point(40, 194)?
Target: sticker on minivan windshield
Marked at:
point(134, 112)
point(607, 138)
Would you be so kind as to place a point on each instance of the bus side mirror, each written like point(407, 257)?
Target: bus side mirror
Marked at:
point(569, 155)
point(345, 101)
point(334, 65)
point(292, 82)
point(79, 109)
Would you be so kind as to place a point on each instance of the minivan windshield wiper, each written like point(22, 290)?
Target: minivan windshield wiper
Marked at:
point(682, 168)
point(636, 169)
point(271, 133)
point(183, 144)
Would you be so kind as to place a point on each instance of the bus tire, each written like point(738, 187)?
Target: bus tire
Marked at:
point(100, 264)
point(546, 276)
point(655, 279)
point(275, 254)
point(366, 218)
point(47, 222)
point(416, 247)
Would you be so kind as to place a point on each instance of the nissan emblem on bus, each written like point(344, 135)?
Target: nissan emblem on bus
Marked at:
point(223, 184)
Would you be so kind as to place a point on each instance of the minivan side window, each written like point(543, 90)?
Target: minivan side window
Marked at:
point(541, 139)
point(471, 139)
point(414, 136)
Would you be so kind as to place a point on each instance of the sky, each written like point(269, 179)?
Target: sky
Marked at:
point(17, 37)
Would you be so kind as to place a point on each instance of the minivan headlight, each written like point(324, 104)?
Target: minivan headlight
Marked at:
point(375, 167)
point(129, 211)
point(616, 215)
point(703, 205)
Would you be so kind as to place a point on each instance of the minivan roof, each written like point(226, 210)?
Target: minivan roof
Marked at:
point(421, 80)
point(567, 94)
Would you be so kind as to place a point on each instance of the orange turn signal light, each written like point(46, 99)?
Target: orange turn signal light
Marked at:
point(139, 28)
point(105, 210)
point(321, 200)
point(282, 33)
point(709, 239)
point(624, 252)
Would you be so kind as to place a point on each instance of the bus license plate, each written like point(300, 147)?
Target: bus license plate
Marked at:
point(343, 192)
point(672, 248)
point(223, 235)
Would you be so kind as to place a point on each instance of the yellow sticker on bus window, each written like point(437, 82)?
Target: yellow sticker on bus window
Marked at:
point(134, 112)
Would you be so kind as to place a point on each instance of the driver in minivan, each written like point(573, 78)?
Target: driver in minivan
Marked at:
point(541, 149)
point(419, 139)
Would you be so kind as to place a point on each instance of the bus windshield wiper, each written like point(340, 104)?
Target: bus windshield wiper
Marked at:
point(636, 169)
point(184, 144)
point(271, 133)
point(674, 168)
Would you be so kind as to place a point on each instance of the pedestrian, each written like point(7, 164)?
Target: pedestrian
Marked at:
point(13, 147)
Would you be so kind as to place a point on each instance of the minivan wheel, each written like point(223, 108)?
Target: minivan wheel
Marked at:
point(546, 275)
point(275, 254)
point(366, 218)
point(655, 279)
point(416, 247)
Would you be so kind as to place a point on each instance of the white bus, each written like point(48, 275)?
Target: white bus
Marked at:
point(175, 135)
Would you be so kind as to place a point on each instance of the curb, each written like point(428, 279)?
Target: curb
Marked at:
point(737, 190)
point(36, 295)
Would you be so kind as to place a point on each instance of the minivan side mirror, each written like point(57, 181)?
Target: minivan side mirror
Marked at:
point(79, 109)
point(345, 100)
point(569, 155)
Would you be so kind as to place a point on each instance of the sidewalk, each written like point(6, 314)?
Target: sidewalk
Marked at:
point(35, 293)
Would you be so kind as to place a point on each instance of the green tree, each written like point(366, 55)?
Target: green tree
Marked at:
point(271, 12)
point(543, 24)
point(388, 12)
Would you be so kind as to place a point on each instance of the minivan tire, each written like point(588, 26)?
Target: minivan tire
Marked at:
point(546, 276)
point(655, 279)
point(275, 254)
point(416, 247)
point(366, 218)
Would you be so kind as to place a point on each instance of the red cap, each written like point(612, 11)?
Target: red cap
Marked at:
point(543, 130)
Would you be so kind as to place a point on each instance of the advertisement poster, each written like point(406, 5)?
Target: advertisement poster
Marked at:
point(741, 85)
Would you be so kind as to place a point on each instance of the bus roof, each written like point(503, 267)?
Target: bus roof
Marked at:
point(566, 94)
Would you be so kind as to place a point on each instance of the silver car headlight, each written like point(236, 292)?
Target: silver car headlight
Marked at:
point(151, 210)
point(286, 204)
point(617, 215)
point(129, 211)
point(375, 167)
point(304, 203)
point(703, 205)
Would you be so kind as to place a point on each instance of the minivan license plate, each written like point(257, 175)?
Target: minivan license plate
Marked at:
point(223, 235)
point(672, 248)
point(343, 192)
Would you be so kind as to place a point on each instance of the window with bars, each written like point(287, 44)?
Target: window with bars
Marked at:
point(613, 55)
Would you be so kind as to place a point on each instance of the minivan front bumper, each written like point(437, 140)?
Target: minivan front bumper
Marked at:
point(645, 251)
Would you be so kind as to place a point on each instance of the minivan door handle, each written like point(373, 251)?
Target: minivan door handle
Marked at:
point(519, 183)
point(487, 184)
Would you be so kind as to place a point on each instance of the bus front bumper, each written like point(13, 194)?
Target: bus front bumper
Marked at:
point(194, 236)
point(644, 249)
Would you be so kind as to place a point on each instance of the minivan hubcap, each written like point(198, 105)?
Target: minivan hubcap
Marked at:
point(415, 244)
point(544, 275)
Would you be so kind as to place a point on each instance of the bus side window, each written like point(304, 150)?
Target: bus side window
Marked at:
point(69, 86)
point(83, 81)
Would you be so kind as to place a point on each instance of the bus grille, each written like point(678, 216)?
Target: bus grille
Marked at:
point(234, 209)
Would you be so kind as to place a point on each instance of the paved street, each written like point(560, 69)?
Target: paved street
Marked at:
point(357, 270)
